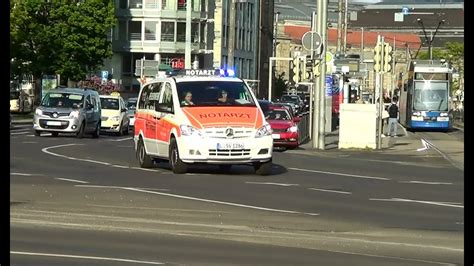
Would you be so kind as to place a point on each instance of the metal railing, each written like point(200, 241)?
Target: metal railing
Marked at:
point(303, 128)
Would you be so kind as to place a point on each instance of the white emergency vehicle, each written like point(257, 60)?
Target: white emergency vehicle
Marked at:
point(201, 116)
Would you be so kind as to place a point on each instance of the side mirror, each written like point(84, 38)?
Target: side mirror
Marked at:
point(89, 106)
point(297, 119)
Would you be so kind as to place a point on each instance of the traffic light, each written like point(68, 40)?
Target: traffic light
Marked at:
point(308, 73)
point(387, 57)
point(296, 70)
point(378, 57)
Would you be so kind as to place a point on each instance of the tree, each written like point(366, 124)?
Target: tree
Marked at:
point(437, 54)
point(455, 57)
point(67, 37)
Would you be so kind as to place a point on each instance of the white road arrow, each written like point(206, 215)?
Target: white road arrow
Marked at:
point(425, 145)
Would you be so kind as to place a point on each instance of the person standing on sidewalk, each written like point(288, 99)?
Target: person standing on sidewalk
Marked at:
point(392, 118)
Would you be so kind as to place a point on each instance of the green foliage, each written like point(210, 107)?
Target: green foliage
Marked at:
point(437, 54)
point(60, 37)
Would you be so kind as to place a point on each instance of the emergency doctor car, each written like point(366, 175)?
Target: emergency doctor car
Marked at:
point(201, 116)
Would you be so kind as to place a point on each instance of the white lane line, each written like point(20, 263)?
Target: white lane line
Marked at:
point(72, 180)
point(341, 174)
point(85, 257)
point(427, 183)
point(29, 142)
point(20, 130)
point(332, 191)
point(18, 133)
point(270, 183)
point(115, 187)
point(120, 166)
point(200, 199)
point(145, 169)
point(121, 139)
point(454, 205)
point(23, 174)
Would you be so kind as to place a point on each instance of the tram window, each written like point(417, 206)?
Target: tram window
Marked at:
point(431, 76)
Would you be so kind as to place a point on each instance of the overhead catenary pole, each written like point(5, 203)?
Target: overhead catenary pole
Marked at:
point(339, 25)
point(187, 48)
point(231, 45)
point(345, 26)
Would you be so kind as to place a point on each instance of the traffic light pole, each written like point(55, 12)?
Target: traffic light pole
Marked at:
point(379, 78)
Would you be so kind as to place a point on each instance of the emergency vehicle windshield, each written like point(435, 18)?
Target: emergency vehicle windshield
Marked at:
point(213, 93)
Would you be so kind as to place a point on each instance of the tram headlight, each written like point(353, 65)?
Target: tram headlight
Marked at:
point(416, 114)
point(443, 114)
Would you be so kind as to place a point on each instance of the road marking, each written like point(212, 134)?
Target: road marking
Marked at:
point(425, 145)
point(20, 130)
point(115, 187)
point(341, 174)
point(445, 156)
point(427, 183)
point(145, 169)
point(454, 205)
point(29, 142)
point(22, 174)
point(200, 199)
point(72, 180)
point(270, 183)
point(333, 191)
point(121, 139)
point(120, 166)
point(18, 133)
point(85, 257)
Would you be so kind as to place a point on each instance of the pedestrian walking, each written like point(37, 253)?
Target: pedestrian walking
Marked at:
point(392, 119)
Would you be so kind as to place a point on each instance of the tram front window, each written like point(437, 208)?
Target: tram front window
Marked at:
point(431, 96)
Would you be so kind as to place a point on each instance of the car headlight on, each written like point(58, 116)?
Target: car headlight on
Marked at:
point(39, 112)
point(265, 130)
point(74, 114)
point(115, 118)
point(187, 130)
point(293, 129)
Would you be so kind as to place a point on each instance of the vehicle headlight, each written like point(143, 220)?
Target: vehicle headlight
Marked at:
point(266, 130)
point(115, 118)
point(293, 129)
point(39, 112)
point(74, 114)
point(187, 130)
point(416, 113)
point(443, 114)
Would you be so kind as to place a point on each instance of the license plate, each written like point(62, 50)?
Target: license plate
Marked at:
point(276, 136)
point(230, 146)
point(53, 123)
point(443, 118)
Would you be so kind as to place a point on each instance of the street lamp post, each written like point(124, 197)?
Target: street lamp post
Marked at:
point(430, 40)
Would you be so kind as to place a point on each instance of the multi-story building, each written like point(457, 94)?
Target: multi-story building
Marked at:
point(156, 30)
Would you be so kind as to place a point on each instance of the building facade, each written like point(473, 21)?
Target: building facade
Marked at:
point(156, 30)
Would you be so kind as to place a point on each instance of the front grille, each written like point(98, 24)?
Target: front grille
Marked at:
point(279, 130)
point(219, 132)
point(43, 124)
point(50, 114)
point(229, 153)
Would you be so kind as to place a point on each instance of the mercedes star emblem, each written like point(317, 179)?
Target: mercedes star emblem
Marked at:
point(229, 132)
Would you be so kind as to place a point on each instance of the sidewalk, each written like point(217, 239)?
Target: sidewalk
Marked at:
point(401, 142)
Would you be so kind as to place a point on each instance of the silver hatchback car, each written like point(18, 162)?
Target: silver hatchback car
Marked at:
point(69, 110)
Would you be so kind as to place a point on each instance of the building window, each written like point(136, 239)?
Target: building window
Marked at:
point(167, 31)
point(123, 4)
point(150, 30)
point(136, 4)
point(203, 33)
point(181, 32)
point(181, 4)
point(195, 32)
point(126, 63)
point(152, 4)
point(122, 30)
point(135, 30)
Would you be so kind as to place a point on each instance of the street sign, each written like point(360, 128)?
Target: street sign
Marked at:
point(105, 75)
point(311, 37)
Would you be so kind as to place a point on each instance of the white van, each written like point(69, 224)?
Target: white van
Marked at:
point(201, 116)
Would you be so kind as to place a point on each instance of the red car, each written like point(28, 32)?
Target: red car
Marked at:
point(284, 127)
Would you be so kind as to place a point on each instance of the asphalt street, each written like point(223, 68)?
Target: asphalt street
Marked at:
point(86, 201)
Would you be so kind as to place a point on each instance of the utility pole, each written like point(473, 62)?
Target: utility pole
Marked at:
point(231, 45)
point(320, 82)
point(187, 48)
point(345, 26)
point(362, 44)
point(339, 26)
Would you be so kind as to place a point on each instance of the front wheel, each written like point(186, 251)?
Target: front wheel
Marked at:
point(80, 133)
point(37, 133)
point(178, 166)
point(96, 133)
point(144, 159)
point(263, 168)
